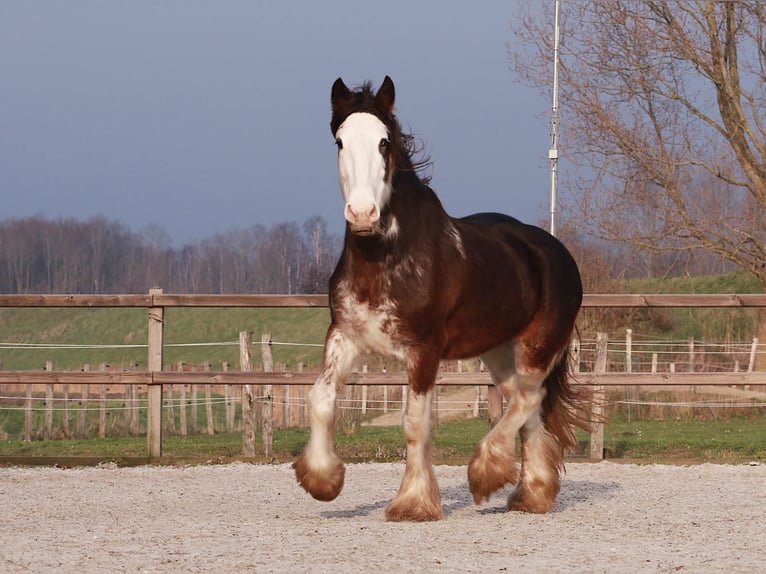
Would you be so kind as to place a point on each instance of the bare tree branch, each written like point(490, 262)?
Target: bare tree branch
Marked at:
point(661, 106)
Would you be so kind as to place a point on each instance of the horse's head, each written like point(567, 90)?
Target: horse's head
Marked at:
point(366, 133)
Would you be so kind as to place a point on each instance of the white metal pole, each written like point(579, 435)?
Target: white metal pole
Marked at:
point(553, 152)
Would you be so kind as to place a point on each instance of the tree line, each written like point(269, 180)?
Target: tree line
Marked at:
point(97, 255)
point(39, 255)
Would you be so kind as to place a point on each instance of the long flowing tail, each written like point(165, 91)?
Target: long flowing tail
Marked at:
point(565, 405)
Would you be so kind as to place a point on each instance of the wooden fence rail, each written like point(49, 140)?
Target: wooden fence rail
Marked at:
point(155, 378)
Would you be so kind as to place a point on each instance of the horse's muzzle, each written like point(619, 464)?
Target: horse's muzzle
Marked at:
point(363, 231)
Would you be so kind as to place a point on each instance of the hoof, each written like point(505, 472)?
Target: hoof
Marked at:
point(403, 510)
point(490, 469)
point(535, 497)
point(323, 483)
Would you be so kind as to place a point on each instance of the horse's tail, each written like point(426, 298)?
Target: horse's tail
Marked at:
point(565, 406)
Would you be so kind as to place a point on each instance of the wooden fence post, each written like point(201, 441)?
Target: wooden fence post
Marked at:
point(182, 404)
point(597, 436)
point(494, 405)
point(629, 391)
point(82, 414)
point(229, 401)
point(48, 434)
point(209, 403)
point(65, 412)
point(102, 405)
point(171, 410)
point(133, 405)
point(248, 401)
point(691, 354)
point(193, 413)
point(753, 354)
point(268, 400)
point(154, 392)
point(302, 406)
point(28, 416)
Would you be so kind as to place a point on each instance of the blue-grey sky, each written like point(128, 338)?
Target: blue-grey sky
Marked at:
point(205, 116)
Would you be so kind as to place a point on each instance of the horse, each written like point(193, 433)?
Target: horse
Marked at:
point(416, 284)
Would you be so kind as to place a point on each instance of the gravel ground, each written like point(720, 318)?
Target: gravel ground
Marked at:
point(610, 517)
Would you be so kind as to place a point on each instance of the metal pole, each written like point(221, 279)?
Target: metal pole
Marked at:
point(553, 152)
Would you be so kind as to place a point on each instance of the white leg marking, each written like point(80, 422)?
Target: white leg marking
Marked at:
point(339, 356)
point(418, 498)
point(318, 469)
point(536, 465)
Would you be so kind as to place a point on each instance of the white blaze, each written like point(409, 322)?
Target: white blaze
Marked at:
point(362, 169)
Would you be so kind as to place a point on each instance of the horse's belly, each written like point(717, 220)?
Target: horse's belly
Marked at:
point(470, 335)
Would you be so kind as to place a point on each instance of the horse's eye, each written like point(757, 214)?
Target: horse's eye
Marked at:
point(384, 145)
point(339, 143)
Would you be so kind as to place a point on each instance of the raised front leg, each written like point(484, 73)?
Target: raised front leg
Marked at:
point(318, 469)
point(418, 498)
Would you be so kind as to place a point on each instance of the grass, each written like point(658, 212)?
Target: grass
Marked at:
point(734, 440)
point(737, 438)
point(127, 328)
point(701, 323)
point(703, 440)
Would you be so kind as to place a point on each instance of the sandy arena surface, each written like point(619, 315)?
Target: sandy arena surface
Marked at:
point(247, 518)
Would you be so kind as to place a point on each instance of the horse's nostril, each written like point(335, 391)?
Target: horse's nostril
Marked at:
point(372, 214)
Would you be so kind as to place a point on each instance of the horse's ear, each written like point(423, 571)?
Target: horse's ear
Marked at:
point(386, 95)
point(339, 95)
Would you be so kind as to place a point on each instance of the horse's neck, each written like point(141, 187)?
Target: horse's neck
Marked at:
point(415, 206)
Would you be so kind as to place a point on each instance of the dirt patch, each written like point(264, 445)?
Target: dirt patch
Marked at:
point(609, 518)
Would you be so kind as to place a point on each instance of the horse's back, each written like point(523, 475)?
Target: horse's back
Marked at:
point(537, 248)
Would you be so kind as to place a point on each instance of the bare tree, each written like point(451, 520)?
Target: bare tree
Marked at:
point(322, 250)
point(101, 256)
point(663, 113)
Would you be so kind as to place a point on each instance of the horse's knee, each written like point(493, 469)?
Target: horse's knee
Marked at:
point(492, 466)
point(323, 482)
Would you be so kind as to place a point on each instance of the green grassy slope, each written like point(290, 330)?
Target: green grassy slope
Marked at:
point(126, 327)
point(220, 325)
point(703, 324)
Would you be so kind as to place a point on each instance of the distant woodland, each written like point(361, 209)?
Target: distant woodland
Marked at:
point(40, 255)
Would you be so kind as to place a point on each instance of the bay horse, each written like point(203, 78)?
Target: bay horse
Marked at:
point(421, 286)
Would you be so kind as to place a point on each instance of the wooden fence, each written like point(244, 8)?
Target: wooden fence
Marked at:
point(155, 378)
